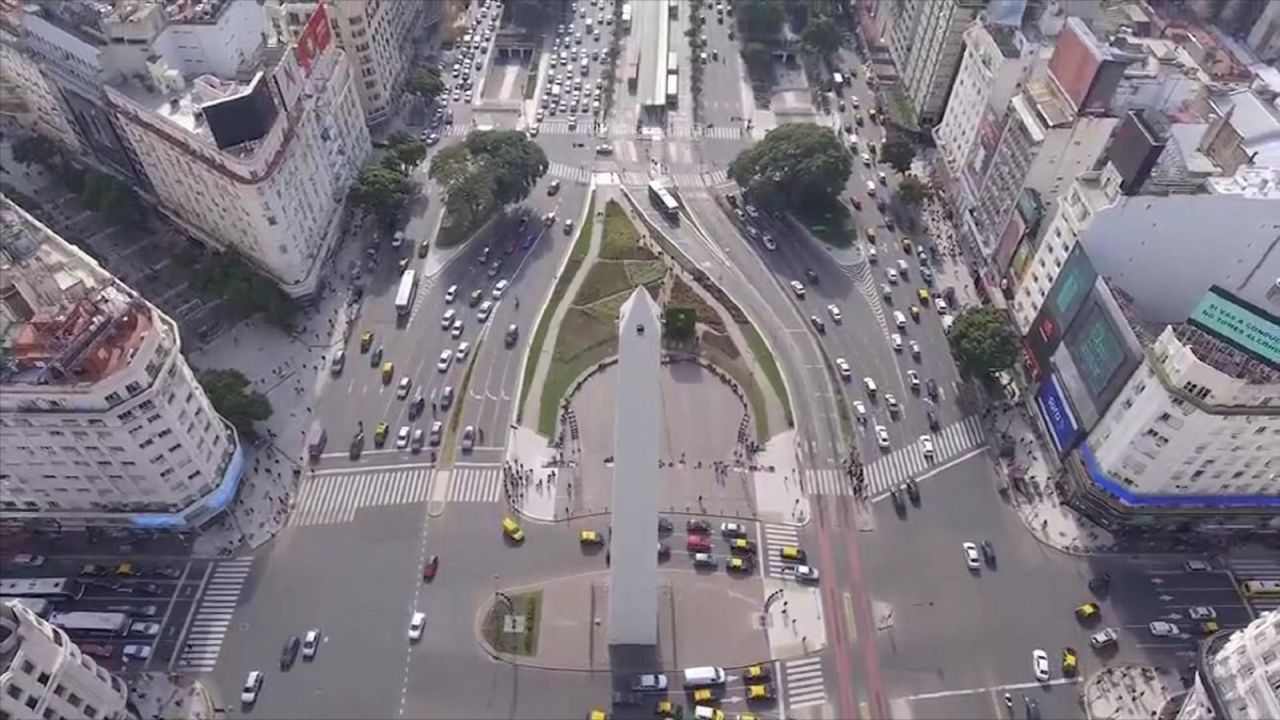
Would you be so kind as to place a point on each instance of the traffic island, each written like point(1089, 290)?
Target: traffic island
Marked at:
point(511, 624)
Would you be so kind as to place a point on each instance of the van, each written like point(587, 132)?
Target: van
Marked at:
point(703, 675)
point(899, 319)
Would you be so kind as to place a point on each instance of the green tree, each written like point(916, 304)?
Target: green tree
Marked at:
point(804, 163)
point(471, 196)
point(450, 165)
point(406, 151)
point(35, 149)
point(822, 37)
point(898, 154)
point(514, 161)
point(982, 341)
point(381, 190)
point(426, 83)
point(760, 19)
point(758, 58)
point(234, 400)
point(913, 192)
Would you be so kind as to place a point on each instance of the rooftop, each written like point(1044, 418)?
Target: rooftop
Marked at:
point(1008, 39)
point(1053, 109)
point(1257, 123)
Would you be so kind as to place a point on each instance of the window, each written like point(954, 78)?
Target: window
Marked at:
point(43, 679)
point(32, 701)
point(28, 667)
point(49, 714)
point(90, 712)
point(14, 691)
point(74, 701)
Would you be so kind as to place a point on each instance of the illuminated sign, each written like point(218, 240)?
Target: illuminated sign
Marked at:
point(1096, 349)
point(1239, 324)
point(313, 41)
point(1057, 413)
point(1072, 287)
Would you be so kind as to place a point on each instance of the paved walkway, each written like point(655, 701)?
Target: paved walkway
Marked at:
point(1128, 692)
point(780, 495)
point(172, 697)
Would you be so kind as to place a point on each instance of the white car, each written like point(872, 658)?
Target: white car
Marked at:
point(872, 256)
point(734, 530)
point(915, 349)
point(860, 409)
point(446, 359)
point(926, 446)
point(940, 304)
point(913, 378)
point(1040, 664)
point(972, 558)
point(807, 573)
point(1202, 612)
point(310, 644)
point(892, 275)
point(866, 160)
point(486, 308)
point(1104, 638)
point(147, 629)
point(464, 348)
point(797, 287)
point(136, 652)
point(416, 625)
point(402, 390)
point(870, 385)
point(882, 436)
point(499, 288)
point(252, 686)
point(836, 315)
point(1161, 628)
point(402, 437)
point(451, 294)
point(892, 402)
point(446, 320)
point(896, 341)
point(843, 366)
point(456, 331)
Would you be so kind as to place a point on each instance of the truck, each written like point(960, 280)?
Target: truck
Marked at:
point(92, 623)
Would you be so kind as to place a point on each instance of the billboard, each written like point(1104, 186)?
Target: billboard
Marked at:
point(1075, 61)
point(1096, 349)
point(313, 40)
point(1058, 415)
point(1240, 324)
point(1071, 288)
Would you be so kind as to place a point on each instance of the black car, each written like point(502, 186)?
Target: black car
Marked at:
point(988, 553)
point(933, 421)
point(475, 298)
point(665, 526)
point(290, 652)
point(145, 589)
point(701, 527)
point(811, 276)
point(931, 387)
point(913, 491)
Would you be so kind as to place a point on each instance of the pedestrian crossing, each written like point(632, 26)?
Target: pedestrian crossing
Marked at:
point(204, 637)
point(476, 483)
point(569, 172)
point(679, 180)
point(334, 499)
point(902, 464)
point(804, 683)
point(1257, 569)
point(775, 538)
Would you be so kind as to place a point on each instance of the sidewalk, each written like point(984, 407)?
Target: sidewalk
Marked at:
point(173, 697)
point(795, 623)
point(780, 495)
point(1128, 692)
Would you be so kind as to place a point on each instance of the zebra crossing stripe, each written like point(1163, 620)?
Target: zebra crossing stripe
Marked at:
point(805, 684)
point(333, 499)
point(203, 641)
point(476, 484)
point(775, 537)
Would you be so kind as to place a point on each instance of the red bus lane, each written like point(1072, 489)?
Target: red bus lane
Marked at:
point(836, 635)
point(866, 630)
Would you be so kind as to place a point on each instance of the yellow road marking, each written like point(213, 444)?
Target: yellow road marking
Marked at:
point(849, 618)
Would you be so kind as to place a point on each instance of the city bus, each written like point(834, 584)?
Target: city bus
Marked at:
point(1260, 588)
point(39, 606)
point(663, 201)
point(48, 588)
point(408, 290)
point(97, 623)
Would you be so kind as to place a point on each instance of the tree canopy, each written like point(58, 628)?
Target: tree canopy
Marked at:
point(802, 164)
point(898, 154)
point(426, 83)
point(822, 37)
point(491, 167)
point(913, 192)
point(405, 151)
point(232, 397)
point(381, 190)
point(760, 19)
point(982, 341)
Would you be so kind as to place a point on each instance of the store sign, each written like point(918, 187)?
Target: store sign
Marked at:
point(1057, 413)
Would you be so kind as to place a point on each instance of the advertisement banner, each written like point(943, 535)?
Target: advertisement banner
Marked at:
point(1058, 415)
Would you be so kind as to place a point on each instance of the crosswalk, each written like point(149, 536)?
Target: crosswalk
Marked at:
point(334, 499)
point(476, 483)
point(775, 538)
point(1257, 569)
point(569, 172)
point(203, 641)
point(804, 683)
point(682, 181)
point(904, 463)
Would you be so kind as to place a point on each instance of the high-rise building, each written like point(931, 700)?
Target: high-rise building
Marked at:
point(926, 40)
point(43, 674)
point(28, 100)
point(380, 38)
point(1236, 674)
point(247, 146)
point(102, 422)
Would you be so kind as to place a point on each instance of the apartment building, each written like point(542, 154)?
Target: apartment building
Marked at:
point(926, 41)
point(1236, 674)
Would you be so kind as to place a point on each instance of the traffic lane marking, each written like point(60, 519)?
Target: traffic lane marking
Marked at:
point(993, 688)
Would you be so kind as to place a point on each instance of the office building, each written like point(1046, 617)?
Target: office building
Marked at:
point(102, 422)
point(926, 41)
point(1236, 674)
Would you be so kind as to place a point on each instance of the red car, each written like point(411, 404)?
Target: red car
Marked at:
point(857, 204)
point(429, 570)
point(699, 543)
point(98, 651)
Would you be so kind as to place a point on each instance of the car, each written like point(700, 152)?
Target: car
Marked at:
point(1160, 628)
point(895, 340)
point(988, 553)
point(931, 389)
point(468, 438)
point(843, 366)
point(1040, 664)
point(742, 545)
point(806, 573)
point(1070, 661)
point(388, 372)
point(554, 187)
point(464, 349)
point(475, 297)
point(892, 402)
point(703, 559)
point(430, 567)
point(739, 564)
point(860, 410)
point(698, 526)
point(402, 389)
point(417, 441)
point(923, 295)
point(310, 644)
point(1196, 566)
point(136, 610)
point(926, 446)
point(866, 160)
point(1209, 627)
point(1104, 638)
point(940, 304)
point(456, 331)
point(971, 557)
point(380, 434)
point(882, 437)
point(733, 530)
point(757, 672)
point(1088, 611)
point(483, 257)
point(366, 340)
point(486, 309)
point(886, 292)
point(94, 570)
point(97, 650)
point(513, 334)
point(436, 433)
point(446, 320)
point(451, 294)
point(873, 255)
point(499, 288)
point(146, 629)
point(892, 275)
point(698, 543)
point(590, 537)
point(252, 686)
point(818, 324)
point(1202, 612)
point(337, 362)
point(28, 560)
point(289, 654)
point(855, 202)
point(797, 287)
point(495, 267)
point(932, 417)
point(145, 589)
point(870, 386)
point(446, 397)
point(136, 652)
point(913, 379)
point(417, 623)
point(446, 359)
point(402, 437)
point(793, 553)
point(926, 274)
point(835, 313)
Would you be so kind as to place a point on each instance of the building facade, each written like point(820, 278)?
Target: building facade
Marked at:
point(1236, 674)
point(43, 674)
point(926, 41)
point(102, 422)
point(28, 101)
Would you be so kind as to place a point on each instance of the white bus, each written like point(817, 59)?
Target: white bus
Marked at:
point(51, 588)
point(99, 623)
point(408, 290)
point(663, 200)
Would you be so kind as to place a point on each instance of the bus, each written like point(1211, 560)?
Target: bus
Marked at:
point(39, 606)
point(97, 623)
point(1260, 588)
point(663, 201)
point(408, 290)
point(49, 588)
point(673, 90)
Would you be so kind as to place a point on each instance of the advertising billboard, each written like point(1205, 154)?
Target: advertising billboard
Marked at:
point(1240, 324)
point(1071, 288)
point(1075, 61)
point(313, 40)
point(1058, 415)
point(1096, 349)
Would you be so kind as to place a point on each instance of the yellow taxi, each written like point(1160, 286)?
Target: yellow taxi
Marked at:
point(125, 569)
point(759, 692)
point(1070, 661)
point(668, 709)
point(738, 564)
point(1209, 627)
point(388, 370)
point(923, 294)
point(597, 714)
point(742, 545)
point(380, 433)
point(1087, 610)
point(746, 716)
point(871, 235)
point(366, 340)
point(703, 695)
point(756, 672)
point(590, 537)
point(511, 529)
point(788, 552)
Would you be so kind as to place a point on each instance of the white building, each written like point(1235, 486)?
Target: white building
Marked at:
point(1236, 675)
point(44, 675)
point(926, 41)
point(102, 422)
point(248, 147)
point(996, 61)
point(378, 36)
